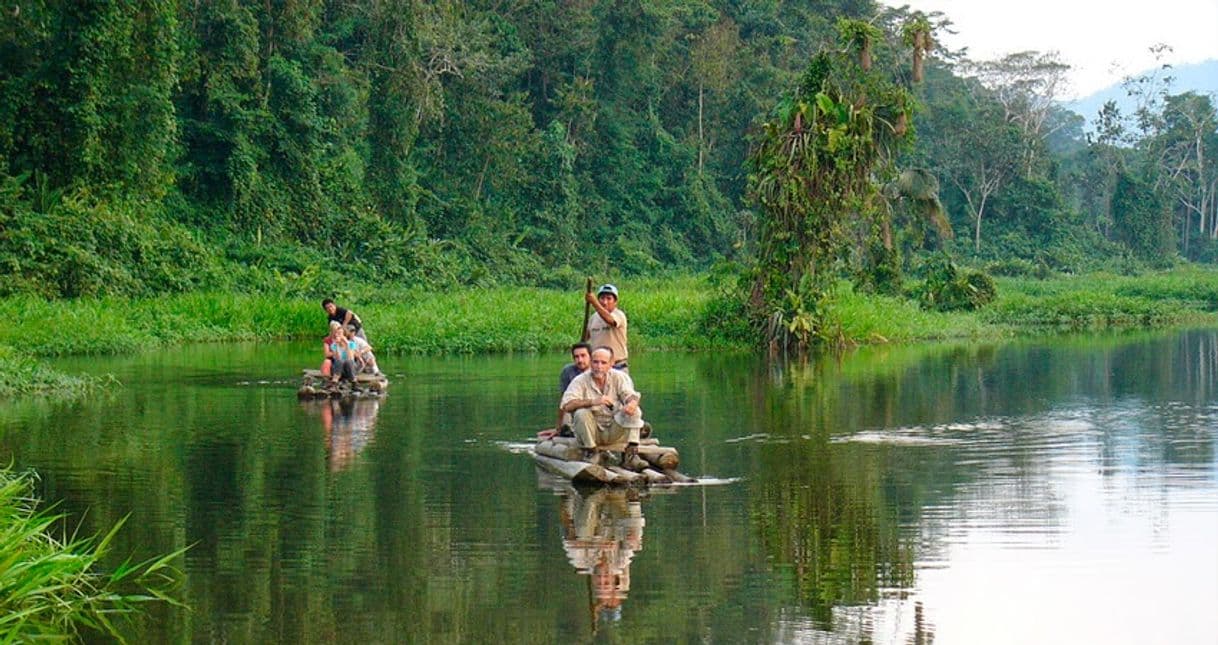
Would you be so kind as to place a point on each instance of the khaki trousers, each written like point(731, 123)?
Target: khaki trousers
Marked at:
point(590, 435)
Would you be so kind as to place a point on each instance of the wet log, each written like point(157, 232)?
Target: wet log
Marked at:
point(577, 471)
point(627, 476)
point(315, 385)
point(679, 478)
point(558, 450)
point(661, 457)
point(655, 477)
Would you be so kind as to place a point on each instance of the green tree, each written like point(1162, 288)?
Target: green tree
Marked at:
point(1141, 220)
point(86, 92)
point(812, 178)
point(1188, 146)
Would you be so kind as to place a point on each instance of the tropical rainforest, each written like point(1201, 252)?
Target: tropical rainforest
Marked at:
point(150, 147)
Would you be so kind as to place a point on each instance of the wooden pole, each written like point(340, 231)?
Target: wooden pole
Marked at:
point(583, 331)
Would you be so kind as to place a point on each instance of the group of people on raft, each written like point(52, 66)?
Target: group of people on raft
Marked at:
point(346, 350)
point(599, 404)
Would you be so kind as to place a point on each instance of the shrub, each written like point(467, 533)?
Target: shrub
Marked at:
point(948, 288)
point(75, 244)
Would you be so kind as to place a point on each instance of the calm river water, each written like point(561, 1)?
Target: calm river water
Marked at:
point(1048, 491)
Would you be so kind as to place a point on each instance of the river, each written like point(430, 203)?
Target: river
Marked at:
point(1035, 491)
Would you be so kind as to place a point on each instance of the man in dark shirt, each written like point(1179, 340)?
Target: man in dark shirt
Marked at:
point(581, 360)
point(344, 317)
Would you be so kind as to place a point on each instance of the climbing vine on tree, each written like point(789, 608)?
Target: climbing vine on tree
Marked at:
point(815, 172)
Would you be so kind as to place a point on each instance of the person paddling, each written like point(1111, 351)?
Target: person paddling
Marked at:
point(608, 327)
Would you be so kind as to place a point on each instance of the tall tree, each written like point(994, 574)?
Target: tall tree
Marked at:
point(1189, 141)
point(1027, 85)
point(978, 160)
point(812, 177)
point(87, 89)
point(1141, 219)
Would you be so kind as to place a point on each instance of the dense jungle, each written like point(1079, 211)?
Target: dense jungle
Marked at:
point(302, 147)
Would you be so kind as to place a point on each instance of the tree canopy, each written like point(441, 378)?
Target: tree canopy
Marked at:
point(151, 146)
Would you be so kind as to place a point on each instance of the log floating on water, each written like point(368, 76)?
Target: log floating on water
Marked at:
point(563, 456)
point(577, 471)
point(315, 385)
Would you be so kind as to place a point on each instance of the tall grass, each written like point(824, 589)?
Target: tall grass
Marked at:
point(661, 314)
point(1100, 300)
point(868, 319)
point(53, 588)
point(682, 312)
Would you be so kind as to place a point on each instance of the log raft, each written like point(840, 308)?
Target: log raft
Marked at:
point(315, 385)
point(657, 464)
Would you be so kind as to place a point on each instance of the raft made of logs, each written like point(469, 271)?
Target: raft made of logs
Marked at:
point(563, 456)
point(315, 385)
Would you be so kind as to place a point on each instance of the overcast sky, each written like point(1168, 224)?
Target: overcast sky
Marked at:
point(1102, 40)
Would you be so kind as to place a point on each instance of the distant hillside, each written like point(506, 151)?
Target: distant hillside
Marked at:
point(1200, 77)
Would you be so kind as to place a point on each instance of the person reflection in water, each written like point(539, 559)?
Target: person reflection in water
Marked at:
point(349, 426)
point(602, 530)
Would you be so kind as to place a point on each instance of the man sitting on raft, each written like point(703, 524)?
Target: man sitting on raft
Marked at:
point(604, 407)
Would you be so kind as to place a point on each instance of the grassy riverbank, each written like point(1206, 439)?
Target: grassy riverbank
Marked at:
point(665, 313)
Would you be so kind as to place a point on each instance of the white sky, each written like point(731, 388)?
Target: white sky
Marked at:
point(1102, 40)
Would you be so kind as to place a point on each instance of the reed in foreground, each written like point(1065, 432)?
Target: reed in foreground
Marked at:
point(53, 588)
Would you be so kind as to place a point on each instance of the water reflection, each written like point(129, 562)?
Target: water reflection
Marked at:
point(1025, 492)
point(348, 426)
point(602, 532)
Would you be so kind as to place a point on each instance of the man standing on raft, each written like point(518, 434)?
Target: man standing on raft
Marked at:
point(608, 327)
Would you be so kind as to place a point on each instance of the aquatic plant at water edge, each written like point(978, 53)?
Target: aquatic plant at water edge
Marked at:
point(54, 587)
point(24, 375)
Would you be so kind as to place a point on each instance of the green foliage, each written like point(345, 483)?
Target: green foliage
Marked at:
point(882, 271)
point(947, 287)
point(1104, 300)
point(811, 174)
point(84, 245)
point(1141, 220)
point(1018, 268)
point(54, 588)
point(158, 147)
point(671, 312)
point(25, 375)
point(881, 319)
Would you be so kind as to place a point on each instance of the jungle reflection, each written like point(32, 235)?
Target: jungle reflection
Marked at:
point(602, 532)
point(348, 424)
point(408, 523)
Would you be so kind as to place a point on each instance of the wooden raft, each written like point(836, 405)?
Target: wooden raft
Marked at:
point(315, 385)
point(657, 465)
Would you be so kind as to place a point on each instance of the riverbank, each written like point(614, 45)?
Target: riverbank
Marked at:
point(681, 313)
